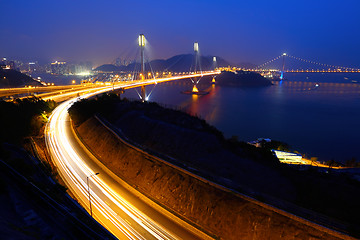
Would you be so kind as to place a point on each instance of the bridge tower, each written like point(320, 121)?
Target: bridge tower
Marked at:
point(196, 55)
point(142, 62)
point(214, 63)
point(283, 67)
point(214, 66)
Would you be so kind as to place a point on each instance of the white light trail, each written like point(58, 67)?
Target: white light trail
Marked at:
point(74, 170)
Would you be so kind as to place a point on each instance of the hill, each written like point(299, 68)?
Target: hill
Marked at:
point(190, 143)
point(242, 79)
point(246, 65)
point(178, 63)
point(12, 78)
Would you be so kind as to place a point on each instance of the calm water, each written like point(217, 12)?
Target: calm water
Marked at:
point(58, 79)
point(320, 120)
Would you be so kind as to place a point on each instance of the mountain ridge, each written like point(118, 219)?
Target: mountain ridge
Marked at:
point(177, 63)
point(12, 78)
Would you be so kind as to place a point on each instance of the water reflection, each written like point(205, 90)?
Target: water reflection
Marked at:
point(323, 88)
point(194, 106)
point(319, 120)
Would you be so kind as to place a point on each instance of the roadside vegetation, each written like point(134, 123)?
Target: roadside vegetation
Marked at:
point(22, 118)
point(28, 179)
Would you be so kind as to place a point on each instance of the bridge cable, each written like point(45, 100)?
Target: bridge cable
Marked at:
point(322, 64)
point(268, 62)
point(166, 69)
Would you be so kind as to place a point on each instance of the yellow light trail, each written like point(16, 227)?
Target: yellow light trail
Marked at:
point(75, 170)
point(110, 207)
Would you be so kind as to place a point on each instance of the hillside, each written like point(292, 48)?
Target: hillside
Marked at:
point(242, 79)
point(12, 78)
point(220, 213)
point(190, 143)
point(33, 204)
point(178, 63)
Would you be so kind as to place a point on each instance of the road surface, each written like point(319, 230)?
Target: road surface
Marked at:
point(123, 213)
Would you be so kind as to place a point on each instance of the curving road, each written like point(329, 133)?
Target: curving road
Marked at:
point(125, 213)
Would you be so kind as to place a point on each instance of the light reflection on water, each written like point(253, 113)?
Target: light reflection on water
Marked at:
point(316, 117)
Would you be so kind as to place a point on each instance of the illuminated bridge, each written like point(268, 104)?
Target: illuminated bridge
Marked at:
point(286, 63)
point(129, 80)
point(113, 203)
point(123, 212)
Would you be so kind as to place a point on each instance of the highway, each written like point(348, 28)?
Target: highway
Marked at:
point(5, 92)
point(62, 93)
point(120, 209)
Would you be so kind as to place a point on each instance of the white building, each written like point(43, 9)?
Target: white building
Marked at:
point(288, 157)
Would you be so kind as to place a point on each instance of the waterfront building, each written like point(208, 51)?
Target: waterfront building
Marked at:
point(58, 68)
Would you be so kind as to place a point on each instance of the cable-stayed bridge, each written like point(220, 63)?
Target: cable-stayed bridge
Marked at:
point(140, 76)
point(119, 209)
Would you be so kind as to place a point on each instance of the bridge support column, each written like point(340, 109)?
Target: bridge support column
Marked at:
point(143, 94)
point(121, 91)
point(142, 62)
point(281, 75)
point(283, 67)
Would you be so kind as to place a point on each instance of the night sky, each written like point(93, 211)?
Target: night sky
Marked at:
point(327, 31)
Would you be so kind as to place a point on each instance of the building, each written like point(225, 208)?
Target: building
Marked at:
point(288, 157)
point(58, 68)
point(32, 67)
point(7, 64)
point(260, 142)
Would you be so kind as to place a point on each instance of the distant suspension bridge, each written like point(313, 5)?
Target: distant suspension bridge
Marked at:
point(300, 65)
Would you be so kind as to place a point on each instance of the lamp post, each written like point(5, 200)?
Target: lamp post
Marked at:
point(88, 185)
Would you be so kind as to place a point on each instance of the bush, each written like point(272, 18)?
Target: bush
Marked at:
point(82, 110)
point(23, 117)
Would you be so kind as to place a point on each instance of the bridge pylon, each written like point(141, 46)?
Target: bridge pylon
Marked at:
point(142, 62)
point(196, 66)
point(214, 63)
point(283, 67)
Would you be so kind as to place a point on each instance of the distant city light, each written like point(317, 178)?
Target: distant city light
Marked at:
point(58, 63)
point(83, 73)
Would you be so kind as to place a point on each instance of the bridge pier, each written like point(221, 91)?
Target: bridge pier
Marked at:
point(283, 67)
point(143, 93)
point(121, 91)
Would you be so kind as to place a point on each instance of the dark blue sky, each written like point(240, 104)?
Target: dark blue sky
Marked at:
point(251, 31)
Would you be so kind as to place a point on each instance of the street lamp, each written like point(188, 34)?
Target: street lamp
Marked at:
point(88, 185)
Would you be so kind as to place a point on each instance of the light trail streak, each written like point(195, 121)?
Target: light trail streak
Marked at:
point(74, 170)
point(118, 215)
